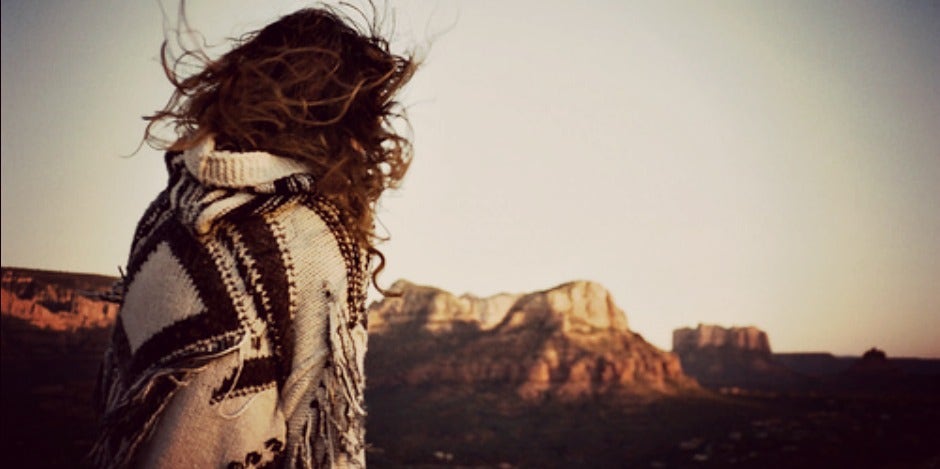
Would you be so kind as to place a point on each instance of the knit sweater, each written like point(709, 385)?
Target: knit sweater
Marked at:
point(241, 335)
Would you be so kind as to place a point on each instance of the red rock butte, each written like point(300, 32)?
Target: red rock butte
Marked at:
point(568, 341)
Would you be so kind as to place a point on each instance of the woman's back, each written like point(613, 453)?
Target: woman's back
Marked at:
point(241, 336)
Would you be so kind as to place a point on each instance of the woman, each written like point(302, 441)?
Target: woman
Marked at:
point(242, 330)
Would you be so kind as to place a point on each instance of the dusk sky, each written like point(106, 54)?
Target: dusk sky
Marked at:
point(766, 163)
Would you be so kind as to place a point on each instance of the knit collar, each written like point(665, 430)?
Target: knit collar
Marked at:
point(256, 171)
point(206, 184)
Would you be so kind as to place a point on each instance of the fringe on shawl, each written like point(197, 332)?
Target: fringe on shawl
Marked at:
point(334, 435)
point(130, 411)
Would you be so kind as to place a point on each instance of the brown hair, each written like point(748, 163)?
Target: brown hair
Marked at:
point(310, 86)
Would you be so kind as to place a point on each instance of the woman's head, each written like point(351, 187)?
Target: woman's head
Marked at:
point(310, 86)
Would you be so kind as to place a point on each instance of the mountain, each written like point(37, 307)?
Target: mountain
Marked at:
point(56, 301)
point(731, 357)
point(569, 341)
point(434, 311)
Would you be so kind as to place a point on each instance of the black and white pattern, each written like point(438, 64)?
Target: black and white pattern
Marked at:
point(244, 295)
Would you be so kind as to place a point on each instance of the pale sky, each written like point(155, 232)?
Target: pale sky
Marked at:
point(769, 163)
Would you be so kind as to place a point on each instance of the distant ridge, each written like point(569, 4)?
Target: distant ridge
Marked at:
point(731, 357)
point(740, 357)
point(60, 278)
point(820, 364)
point(56, 300)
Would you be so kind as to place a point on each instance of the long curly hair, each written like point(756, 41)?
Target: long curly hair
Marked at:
point(313, 86)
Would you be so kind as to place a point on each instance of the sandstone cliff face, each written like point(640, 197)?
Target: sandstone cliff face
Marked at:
point(731, 357)
point(705, 335)
point(428, 309)
point(569, 341)
point(571, 307)
point(56, 301)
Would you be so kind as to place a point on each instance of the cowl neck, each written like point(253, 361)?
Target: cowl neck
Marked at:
point(255, 171)
point(208, 185)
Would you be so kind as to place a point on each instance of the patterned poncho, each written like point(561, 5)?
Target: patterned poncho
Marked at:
point(241, 334)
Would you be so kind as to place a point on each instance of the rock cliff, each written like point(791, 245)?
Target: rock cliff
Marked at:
point(705, 336)
point(432, 310)
point(56, 300)
point(569, 341)
point(731, 357)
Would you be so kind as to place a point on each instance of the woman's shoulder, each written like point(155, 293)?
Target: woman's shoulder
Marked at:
point(299, 230)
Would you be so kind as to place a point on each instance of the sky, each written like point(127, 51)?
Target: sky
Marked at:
point(764, 163)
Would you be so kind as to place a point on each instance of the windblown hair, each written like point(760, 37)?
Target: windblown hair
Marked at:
point(312, 86)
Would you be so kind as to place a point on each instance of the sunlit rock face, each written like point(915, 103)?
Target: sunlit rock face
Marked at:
point(569, 341)
point(579, 306)
point(433, 310)
point(56, 301)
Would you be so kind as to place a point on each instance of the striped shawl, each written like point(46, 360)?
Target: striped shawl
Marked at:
point(241, 334)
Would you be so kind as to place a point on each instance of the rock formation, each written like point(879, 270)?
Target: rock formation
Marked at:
point(432, 310)
point(705, 336)
point(56, 300)
point(731, 357)
point(569, 341)
point(874, 364)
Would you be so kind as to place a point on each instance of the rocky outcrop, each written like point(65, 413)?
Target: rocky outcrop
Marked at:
point(874, 364)
point(711, 336)
point(428, 309)
point(55, 300)
point(738, 357)
point(569, 341)
point(571, 307)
